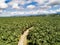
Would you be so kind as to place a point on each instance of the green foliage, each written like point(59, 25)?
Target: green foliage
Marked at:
point(46, 30)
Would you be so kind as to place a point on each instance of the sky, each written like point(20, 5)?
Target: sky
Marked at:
point(28, 7)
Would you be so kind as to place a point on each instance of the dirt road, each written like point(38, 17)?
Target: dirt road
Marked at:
point(23, 38)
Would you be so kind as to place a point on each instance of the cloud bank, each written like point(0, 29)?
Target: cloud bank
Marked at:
point(28, 7)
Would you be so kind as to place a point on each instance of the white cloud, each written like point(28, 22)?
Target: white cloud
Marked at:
point(3, 4)
point(2, 1)
point(1, 11)
point(41, 1)
point(45, 7)
point(22, 2)
point(58, 10)
point(52, 11)
point(15, 6)
point(31, 6)
point(56, 5)
point(54, 2)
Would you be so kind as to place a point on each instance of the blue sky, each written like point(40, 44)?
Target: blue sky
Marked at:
point(28, 7)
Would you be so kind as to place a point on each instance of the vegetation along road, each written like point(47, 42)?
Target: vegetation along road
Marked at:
point(46, 30)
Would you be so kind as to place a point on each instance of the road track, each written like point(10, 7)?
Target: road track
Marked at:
point(23, 38)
